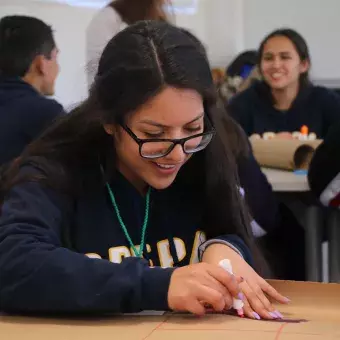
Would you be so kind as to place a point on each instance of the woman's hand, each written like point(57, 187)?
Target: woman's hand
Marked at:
point(257, 292)
point(194, 287)
point(255, 289)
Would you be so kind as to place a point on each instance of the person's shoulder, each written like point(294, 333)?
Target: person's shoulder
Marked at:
point(106, 15)
point(46, 107)
point(36, 106)
point(253, 91)
point(108, 12)
point(48, 104)
point(324, 93)
point(53, 104)
point(32, 184)
point(246, 97)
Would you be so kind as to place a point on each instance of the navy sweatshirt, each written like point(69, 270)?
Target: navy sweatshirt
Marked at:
point(259, 195)
point(324, 170)
point(59, 254)
point(315, 106)
point(24, 114)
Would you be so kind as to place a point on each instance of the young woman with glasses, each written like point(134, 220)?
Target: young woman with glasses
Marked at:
point(129, 202)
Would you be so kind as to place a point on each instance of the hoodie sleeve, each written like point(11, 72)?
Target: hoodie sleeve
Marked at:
point(331, 102)
point(38, 275)
point(258, 193)
point(324, 170)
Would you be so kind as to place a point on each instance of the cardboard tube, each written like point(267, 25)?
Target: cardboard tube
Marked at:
point(284, 154)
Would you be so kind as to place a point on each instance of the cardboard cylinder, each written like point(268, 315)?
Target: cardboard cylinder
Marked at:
point(286, 154)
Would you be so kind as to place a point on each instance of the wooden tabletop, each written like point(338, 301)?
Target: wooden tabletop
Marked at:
point(317, 303)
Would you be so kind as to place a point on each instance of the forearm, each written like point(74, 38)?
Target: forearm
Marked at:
point(227, 243)
point(38, 277)
point(217, 252)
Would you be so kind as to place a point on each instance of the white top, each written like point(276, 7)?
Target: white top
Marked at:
point(103, 27)
point(286, 181)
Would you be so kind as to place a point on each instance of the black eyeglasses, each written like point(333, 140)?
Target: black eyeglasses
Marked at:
point(157, 147)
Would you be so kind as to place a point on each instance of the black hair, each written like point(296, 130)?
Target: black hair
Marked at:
point(136, 65)
point(299, 43)
point(248, 57)
point(22, 39)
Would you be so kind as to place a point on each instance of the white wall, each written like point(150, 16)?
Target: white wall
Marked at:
point(219, 25)
point(70, 25)
point(226, 27)
point(197, 22)
point(224, 21)
point(318, 21)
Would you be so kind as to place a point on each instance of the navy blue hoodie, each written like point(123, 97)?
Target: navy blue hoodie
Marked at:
point(324, 170)
point(315, 106)
point(45, 235)
point(259, 195)
point(24, 114)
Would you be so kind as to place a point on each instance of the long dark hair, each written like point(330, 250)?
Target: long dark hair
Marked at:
point(136, 65)
point(132, 11)
point(299, 43)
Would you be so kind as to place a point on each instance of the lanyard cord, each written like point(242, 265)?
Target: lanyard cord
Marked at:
point(123, 226)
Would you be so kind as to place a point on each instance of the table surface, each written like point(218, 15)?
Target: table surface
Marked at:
point(317, 303)
point(286, 181)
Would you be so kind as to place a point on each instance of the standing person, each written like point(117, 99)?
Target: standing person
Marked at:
point(28, 71)
point(285, 100)
point(112, 19)
point(126, 182)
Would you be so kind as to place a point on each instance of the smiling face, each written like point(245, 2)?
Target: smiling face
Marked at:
point(281, 65)
point(172, 114)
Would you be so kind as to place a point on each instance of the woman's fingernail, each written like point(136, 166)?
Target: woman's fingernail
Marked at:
point(257, 317)
point(278, 314)
point(273, 315)
point(287, 300)
point(240, 296)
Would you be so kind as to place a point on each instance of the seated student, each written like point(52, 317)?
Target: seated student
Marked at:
point(254, 184)
point(324, 170)
point(28, 70)
point(285, 256)
point(139, 175)
point(273, 223)
point(285, 100)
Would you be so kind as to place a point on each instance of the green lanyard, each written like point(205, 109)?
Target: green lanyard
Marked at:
point(145, 223)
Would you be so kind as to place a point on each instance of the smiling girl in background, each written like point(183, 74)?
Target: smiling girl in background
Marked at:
point(140, 175)
point(285, 100)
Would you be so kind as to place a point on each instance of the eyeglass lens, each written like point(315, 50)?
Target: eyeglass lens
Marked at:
point(159, 148)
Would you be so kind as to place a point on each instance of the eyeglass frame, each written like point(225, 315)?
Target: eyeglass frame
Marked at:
point(180, 141)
